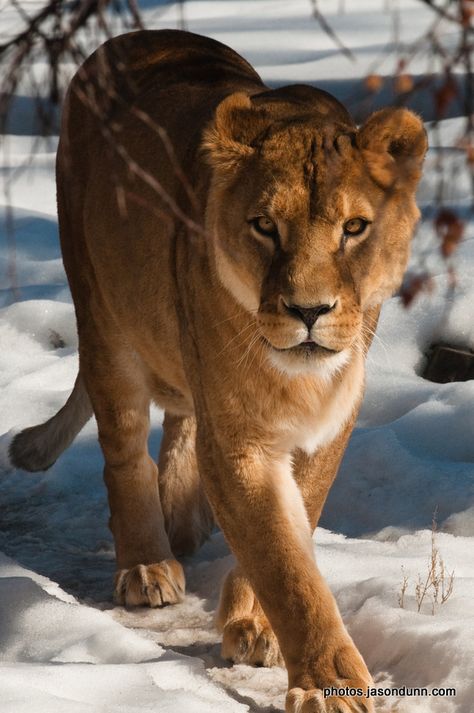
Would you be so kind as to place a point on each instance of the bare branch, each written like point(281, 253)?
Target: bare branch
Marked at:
point(329, 31)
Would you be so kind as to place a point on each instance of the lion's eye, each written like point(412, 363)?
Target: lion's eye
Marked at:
point(264, 226)
point(355, 226)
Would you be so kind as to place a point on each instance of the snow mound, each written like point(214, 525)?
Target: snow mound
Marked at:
point(49, 643)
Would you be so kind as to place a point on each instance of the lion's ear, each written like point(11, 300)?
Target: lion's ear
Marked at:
point(393, 143)
point(236, 125)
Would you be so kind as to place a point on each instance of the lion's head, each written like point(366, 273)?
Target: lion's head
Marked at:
point(310, 217)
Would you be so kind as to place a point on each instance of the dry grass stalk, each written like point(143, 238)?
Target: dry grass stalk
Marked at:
point(438, 584)
point(403, 589)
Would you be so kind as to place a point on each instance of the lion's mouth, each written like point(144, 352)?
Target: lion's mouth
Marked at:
point(307, 348)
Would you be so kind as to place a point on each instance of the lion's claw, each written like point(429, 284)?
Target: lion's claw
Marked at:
point(251, 640)
point(152, 585)
point(313, 701)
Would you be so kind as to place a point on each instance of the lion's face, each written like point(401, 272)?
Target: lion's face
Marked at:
point(312, 227)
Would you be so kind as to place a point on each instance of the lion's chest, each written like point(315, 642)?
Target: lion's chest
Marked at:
point(317, 419)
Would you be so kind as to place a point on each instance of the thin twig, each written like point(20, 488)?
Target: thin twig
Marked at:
point(317, 14)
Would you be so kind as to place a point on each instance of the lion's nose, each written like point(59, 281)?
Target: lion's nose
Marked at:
point(308, 315)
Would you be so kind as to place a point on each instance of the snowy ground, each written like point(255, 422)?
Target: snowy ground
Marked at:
point(63, 647)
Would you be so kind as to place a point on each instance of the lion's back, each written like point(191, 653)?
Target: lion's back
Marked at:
point(114, 169)
point(133, 84)
point(121, 74)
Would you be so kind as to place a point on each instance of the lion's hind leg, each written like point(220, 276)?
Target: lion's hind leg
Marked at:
point(147, 573)
point(188, 516)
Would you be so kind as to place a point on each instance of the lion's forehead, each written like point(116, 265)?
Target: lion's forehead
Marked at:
point(308, 139)
point(296, 200)
point(318, 173)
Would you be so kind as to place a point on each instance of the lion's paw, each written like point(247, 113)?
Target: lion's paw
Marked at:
point(313, 701)
point(251, 640)
point(152, 585)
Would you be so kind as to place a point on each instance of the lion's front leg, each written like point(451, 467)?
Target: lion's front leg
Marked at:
point(261, 511)
point(247, 636)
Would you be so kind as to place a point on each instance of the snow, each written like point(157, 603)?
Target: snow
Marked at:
point(49, 640)
point(63, 645)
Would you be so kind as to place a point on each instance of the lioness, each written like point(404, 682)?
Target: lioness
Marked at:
point(228, 247)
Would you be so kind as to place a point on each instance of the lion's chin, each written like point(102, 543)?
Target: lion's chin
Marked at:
point(309, 359)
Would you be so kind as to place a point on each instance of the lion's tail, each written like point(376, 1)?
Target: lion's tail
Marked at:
point(38, 447)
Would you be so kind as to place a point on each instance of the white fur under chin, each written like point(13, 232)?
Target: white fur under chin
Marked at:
point(324, 369)
point(5, 440)
point(329, 417)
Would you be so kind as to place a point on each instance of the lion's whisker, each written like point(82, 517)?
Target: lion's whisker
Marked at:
point(245, 355)
point(255, 352)
point(242, 331)
point(241, 312)
point(366, 352)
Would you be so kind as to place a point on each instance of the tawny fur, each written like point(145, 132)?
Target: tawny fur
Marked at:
point(170, 148)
